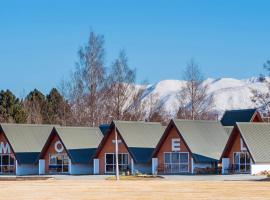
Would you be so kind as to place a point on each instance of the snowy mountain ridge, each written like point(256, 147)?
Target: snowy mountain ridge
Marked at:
point(228, 93)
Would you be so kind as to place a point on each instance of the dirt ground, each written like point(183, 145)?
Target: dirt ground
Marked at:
point(151, 189)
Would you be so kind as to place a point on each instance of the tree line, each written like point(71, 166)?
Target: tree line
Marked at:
point(96, 93)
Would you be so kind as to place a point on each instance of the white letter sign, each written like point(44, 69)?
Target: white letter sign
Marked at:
point(176, 144)
point(4, 148)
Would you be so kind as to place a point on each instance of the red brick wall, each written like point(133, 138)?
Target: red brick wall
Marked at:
point(51, 150)
point(167, 147)
point(109, 147)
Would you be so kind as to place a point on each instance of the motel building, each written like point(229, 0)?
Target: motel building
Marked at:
point(20, 146)
point(136, 143)
point(230, 118)
point(189, 147)
point(247, 150)
point(70, 150)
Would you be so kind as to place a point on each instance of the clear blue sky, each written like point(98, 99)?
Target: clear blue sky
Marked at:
point(39, 39)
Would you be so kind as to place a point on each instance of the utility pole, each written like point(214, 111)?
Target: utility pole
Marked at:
point(116, 155)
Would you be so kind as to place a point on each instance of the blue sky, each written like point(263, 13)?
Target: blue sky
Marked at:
point(39, 39)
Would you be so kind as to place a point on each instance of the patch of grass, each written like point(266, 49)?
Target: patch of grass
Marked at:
point(139, 177)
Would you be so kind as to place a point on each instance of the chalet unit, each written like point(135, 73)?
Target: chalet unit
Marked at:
point(20, 146)
point(188, 147)
point(136, 143)
point(70, 150)
point(247, 149)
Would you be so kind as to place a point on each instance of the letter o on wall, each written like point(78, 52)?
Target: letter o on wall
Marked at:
point(58, 147)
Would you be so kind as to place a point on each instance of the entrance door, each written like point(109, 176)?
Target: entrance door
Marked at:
point(7, 164)
point(58, 163)
point(241, 162)
point(176, 162)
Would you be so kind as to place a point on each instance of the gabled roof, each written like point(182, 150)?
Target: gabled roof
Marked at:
point(80, 142)
point(230, 117)
point(205, 139)
point(139, 137)
point(26, 140)
point(257, 139)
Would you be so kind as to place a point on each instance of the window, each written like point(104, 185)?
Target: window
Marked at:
point(58, 163)
point(176, 162)
point(110, 162)
point(241, 162)
point(7, 164)
point(243, 146)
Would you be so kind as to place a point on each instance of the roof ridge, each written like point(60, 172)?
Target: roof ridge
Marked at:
point(239, 110)
point(141, 122)
point(78, 127)
point(36, 125)
point(202, 121)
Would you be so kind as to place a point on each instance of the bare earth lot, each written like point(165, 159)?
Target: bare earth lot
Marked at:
point(151, 189)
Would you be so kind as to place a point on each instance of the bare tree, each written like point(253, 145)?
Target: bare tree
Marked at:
point(121, 86)
point(87, 81)
point(195, 102)
point(262, 99)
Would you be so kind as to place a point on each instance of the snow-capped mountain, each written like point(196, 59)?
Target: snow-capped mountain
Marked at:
point(228, 93)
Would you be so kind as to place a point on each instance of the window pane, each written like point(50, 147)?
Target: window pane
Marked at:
point(242, 158)
point(5, 160)
point(52, 160)
point(183, 167)
point(109, 158)
point(236, 158)
point(248, 167)
point(120, 158)
point(125, 159)
point(167, 158)
point(175, 168)
point(12, 160)
point(167, 168)
point(184, 158)
point(59, 160)
point(175, 157)
point(109, 168)
point(247, 158)
point(65, 168)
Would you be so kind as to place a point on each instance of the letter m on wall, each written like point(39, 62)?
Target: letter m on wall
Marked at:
point(4, 148)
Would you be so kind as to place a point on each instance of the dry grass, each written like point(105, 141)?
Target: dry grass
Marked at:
point(155, 189)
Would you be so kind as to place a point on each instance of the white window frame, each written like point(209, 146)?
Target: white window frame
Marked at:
point(239, 164)
point(171, 164)
point(120, 164)
point(62, 155)
point(9, 165)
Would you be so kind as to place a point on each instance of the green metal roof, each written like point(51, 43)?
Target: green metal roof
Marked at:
point(80, 137)
point(205, 139)
point(80, 142)
point(257, 139)
point(140, 134)
point(228, 129)
point(230, 117)
point(140, 137)
point(27, 138)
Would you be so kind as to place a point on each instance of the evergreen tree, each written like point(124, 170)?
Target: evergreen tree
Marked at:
point(34, 105)
point(11, 108)
point(57, 110)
